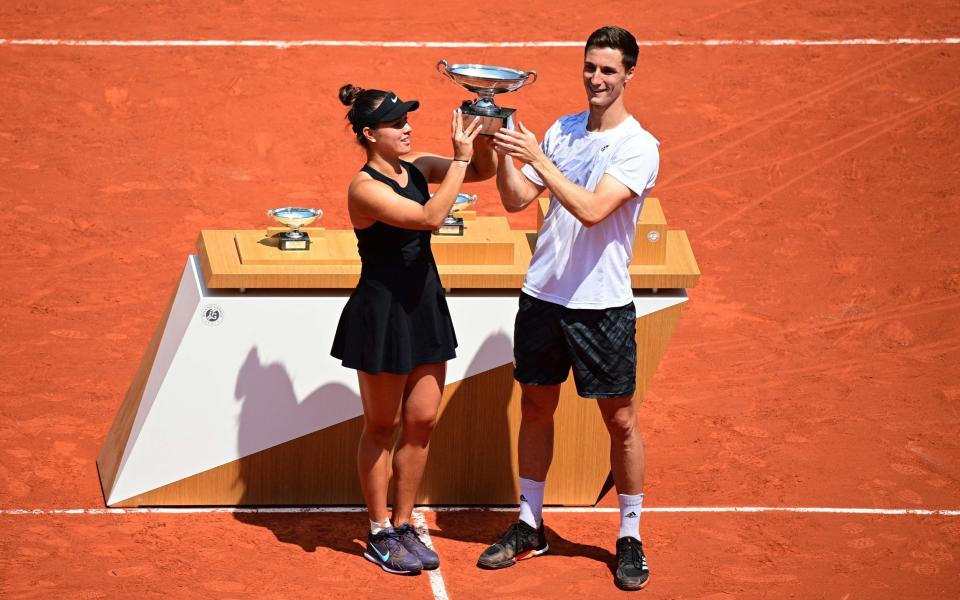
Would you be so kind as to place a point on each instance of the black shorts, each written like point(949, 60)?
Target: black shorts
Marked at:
point(600, 345)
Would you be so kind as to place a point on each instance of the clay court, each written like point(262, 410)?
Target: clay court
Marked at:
point(801, 430)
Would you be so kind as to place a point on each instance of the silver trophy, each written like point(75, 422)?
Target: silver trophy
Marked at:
point(485, 81)
point(294, 217)
point(452, 224)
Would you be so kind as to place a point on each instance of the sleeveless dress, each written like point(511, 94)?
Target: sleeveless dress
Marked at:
point(397, 317)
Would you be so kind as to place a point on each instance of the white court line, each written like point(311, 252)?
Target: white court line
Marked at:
point(437, 509)
point(436, 579)
point(282, 44)
point(437, 585)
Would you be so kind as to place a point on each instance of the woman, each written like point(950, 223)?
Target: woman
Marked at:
point(396, 330)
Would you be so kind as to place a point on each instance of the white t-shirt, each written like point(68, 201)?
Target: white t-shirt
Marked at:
point(587, 267)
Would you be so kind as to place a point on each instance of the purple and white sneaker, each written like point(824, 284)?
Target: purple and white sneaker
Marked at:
point(387, 550)
point(412, 542)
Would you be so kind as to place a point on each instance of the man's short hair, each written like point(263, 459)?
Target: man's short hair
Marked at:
point(616, 38)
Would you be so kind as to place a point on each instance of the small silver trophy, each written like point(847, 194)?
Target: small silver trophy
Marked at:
point(485, 81)
point(452, 224)
point(294, 217)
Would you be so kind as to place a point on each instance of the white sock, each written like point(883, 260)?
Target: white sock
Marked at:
point(630, 507)
point(531, 501)
point(378, 526)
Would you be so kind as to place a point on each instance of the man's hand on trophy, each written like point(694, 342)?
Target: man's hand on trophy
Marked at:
point(519, 143)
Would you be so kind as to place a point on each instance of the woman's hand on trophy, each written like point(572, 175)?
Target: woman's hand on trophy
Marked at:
point(463, 137)
point(519, 143)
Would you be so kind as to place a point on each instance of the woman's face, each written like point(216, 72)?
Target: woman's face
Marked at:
point(392, 137)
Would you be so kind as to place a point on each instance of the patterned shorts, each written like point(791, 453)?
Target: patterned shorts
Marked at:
point(599, 344)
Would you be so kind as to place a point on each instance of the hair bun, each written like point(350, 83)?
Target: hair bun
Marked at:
point(349, 93)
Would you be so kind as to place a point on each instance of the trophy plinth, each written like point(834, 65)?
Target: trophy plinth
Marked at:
point(294, 240)
point(452, 224)
point(294, 217)
point(490, 122)
point(485, 81)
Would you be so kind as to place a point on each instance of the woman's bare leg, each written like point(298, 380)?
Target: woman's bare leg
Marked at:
point(422, 395)
point(382, 397)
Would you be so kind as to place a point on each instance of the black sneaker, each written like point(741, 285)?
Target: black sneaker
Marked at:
point(632, 571)
point(412, 542)
point(386, 549)
point(518, 542)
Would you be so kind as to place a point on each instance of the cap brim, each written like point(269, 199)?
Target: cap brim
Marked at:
point(398, 109)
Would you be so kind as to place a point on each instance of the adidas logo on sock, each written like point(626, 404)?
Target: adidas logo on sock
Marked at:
point(523, 498)
point(630, 515)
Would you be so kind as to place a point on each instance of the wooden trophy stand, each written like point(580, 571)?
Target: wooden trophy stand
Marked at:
point(238, 402)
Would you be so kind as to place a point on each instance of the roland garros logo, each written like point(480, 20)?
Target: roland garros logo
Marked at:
point(211, 314)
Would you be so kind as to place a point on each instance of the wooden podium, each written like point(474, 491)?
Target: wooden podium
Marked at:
point(237, 401)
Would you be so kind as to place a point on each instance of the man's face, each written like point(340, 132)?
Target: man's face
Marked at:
point(604, 76)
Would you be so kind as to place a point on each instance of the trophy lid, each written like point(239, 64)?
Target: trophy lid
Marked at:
point(488, 78)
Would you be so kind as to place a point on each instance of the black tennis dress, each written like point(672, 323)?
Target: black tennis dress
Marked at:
point(397, 318)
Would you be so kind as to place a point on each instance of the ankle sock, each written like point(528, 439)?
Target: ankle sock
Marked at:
point(378, 526)
point(630, 507)
point(531, 502)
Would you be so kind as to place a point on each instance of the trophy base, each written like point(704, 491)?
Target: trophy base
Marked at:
point(450, 226)
point(300, 243)
point(492, 119)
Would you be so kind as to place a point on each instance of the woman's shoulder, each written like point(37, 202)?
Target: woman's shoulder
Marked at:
point(363, 180)
point(361, 176)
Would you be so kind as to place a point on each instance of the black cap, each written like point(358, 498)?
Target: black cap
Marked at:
point(391, 108)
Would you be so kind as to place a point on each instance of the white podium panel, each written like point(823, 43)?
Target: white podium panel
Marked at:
point(237, 373)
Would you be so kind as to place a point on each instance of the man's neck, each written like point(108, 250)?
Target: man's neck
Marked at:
point(607, 117)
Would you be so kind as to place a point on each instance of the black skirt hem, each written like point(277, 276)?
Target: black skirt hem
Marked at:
point(395, 370)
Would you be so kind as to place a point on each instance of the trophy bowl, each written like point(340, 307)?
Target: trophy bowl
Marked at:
point(485, 81)
point(452, 224)
point(463, 202)
point(294, 217)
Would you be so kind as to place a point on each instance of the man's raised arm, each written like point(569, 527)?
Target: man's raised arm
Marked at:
point(588, 207)
point(516, 191)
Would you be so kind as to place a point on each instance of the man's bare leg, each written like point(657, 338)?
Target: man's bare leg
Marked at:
point(538, 403)
point(525, 539)
point(627, 459)
point(628, 464)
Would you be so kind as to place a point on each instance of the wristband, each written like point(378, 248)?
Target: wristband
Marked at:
point(461, 160)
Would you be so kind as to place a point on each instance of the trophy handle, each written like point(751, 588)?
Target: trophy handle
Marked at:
point(443, 69)
point(527, 80)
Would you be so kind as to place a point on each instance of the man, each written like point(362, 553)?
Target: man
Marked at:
point(576, 307)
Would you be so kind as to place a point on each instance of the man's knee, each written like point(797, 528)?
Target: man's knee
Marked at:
point(620, 418)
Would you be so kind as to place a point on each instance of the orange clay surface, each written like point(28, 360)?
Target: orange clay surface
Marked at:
point(816, 364)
